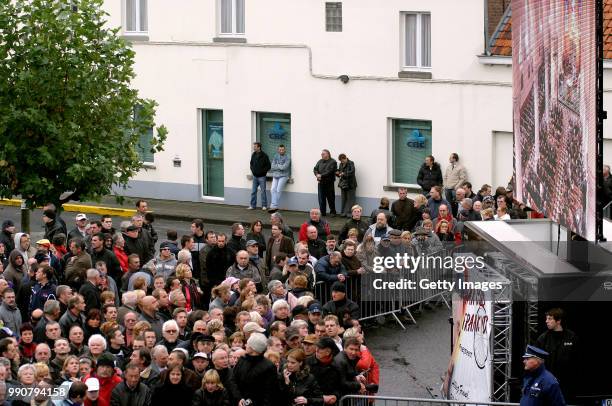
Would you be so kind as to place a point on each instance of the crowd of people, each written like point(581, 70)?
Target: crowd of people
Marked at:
point(116, 317)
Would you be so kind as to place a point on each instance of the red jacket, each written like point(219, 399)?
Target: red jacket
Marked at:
point(106, 389)
point(122, 257)
point(367, 362)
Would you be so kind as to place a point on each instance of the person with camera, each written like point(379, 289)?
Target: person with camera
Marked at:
point(298, 385)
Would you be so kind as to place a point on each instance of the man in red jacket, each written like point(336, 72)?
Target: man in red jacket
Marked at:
point(105, 372)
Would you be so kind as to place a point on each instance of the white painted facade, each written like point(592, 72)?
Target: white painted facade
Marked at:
point(290, 64)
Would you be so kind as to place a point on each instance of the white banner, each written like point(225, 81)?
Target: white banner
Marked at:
point(469, 376)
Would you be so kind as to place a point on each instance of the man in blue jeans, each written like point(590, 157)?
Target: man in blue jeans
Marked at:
point(260, 165)
point(281, 167)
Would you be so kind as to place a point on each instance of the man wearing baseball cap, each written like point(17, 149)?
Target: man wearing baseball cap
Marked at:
point(252, 247)
point(540, 387)
point(254, 375)
point(314, 316)
point(80, 231)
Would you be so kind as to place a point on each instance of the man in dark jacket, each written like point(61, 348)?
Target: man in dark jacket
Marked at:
point(260, 165)
point(255, 376)
point(99, 253)
point(340, 305)
point(52, 227)
point(351, 383)
point(43, 289)
point(323, 369)
point(562, 347)
point(131, 392)
point(325, 172)
point(90, 291)
point(218, 260)
point(316, 246)
point(358, 222)
point(236, 242)
point(137, 243)
point(406, 216)
point(430, 175)
point(6, 235)
point(329, 269)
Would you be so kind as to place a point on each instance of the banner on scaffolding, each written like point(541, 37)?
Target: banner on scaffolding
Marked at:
point(469, 375)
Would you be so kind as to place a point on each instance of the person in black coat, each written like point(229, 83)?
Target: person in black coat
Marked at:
point(340, 305)
point(430, 175)
point(260, 165)
point(90, 291)
point(212, 392)
point(322, 368)
point(298, 386)
point(254, 376)
point(137, 243)
point(218, 260)
point(351, 383)
point(325, 172)
point(174, 390)
point(347, 183)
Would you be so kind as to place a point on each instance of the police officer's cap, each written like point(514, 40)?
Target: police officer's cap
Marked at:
point(533, 351)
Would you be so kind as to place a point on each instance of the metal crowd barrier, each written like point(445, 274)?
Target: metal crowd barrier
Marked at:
point(359, 400)
point(379, 303)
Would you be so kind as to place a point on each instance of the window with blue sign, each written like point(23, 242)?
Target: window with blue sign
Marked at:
point(274, 129)
point(411, 143)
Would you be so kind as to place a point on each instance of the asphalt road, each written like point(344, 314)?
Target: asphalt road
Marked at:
point(411, 361)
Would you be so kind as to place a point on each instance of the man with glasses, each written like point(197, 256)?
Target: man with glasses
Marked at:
point(129, 321)
point(170, 333)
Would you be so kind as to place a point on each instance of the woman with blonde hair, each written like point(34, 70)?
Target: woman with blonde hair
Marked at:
point(366, 251)
point(189, 287)
point(212, 392)
point(221, 296)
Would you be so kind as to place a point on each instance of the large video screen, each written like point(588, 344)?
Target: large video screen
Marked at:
point(554, 89)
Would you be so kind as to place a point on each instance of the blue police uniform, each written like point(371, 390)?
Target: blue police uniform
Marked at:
point(540, 387)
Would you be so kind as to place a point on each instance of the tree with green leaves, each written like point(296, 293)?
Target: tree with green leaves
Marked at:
point(71, 125)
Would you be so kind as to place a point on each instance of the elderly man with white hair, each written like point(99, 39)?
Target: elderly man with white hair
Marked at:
point(159, 357)
point(170, 333)
point(277, 292)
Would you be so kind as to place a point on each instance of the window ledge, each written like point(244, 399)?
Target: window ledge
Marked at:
point(135, 37)
point(495, 60)
point(290, 180)
point(149, 165)
point(230, 40)
point(410, 74)
point(410, 188)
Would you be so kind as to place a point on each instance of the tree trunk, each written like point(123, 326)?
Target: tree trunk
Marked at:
point(25, 218)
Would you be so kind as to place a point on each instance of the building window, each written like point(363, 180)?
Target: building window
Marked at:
point(231, 17)
point(416, 41)
point(136, 19)
point(333, 17)
point(272, 130)
point(410, 143)
point(145, 152)
point(144, 147)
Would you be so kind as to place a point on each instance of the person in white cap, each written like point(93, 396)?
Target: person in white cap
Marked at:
point(254, 375)
point(80, 231)
point(93, 390)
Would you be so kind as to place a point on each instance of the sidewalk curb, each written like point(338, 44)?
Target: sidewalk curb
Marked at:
point(127, 213)
point(81, 208)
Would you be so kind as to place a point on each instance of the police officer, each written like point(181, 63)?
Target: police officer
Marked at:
point(540, 387)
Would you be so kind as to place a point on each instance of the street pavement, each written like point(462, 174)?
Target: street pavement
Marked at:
point(411, 361)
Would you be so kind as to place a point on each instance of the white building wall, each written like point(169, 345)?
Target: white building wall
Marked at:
point(290, 64)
